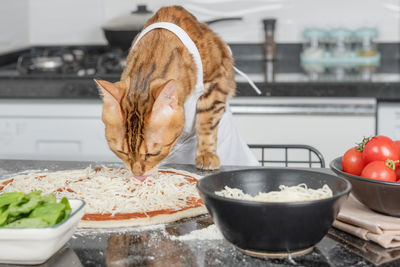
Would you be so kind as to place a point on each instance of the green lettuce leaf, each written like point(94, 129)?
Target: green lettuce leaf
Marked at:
point(36, 193)
point(8, 198)
point(28, 223)
point(17, 208)
point(67, 210)
point(3, 217)
point(49, 198)
point(51, 212)
point(32, 210)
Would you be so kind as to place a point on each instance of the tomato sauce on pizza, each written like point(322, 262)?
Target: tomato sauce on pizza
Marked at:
point(114, 197)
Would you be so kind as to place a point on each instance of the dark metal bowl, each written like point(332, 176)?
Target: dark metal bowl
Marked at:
point(272, 227)
point(121, 39)
point(377, 195)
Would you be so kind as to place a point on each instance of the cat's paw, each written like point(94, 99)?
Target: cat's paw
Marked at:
point(207, 161)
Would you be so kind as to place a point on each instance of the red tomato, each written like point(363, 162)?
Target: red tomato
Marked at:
point(379, 170)
point(380, 148)
point(384, 138)
point(397, 144)
point(397, 170)
point(352, 161)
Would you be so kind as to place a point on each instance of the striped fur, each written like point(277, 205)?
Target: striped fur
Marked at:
point(143, 113)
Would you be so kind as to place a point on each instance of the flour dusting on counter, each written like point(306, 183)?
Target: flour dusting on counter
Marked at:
point(148, 228)
point(209, 233)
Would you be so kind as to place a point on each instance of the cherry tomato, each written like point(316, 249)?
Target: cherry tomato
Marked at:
point(380, 149)
point(397, 144)
point(379, 170)
point(384, 138)
point(352, 161)
point(397, 170)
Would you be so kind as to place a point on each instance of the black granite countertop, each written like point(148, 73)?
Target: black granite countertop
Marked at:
point(84, 88)
point(161, 246)
point(291, 80)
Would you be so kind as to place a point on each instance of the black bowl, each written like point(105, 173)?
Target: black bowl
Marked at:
point(262, 227)
point(120, 38)
point(380, 196)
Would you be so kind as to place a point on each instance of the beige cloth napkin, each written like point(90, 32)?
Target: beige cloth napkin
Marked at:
point(358, 220)
point(368, 250)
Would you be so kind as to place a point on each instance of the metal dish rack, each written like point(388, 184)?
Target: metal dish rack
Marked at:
point(312, 158)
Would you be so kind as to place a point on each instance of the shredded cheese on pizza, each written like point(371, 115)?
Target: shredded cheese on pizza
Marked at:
point(111, 190)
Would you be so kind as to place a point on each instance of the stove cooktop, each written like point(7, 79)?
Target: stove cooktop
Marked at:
point(74, 61)
point(88, 62)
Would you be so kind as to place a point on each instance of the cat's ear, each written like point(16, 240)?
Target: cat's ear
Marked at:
point(167, 116)
point(166, 102)
point(112, 94)
point(112, 116)
point(111, 91)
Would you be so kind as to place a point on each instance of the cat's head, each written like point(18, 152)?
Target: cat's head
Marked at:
point(141, 128)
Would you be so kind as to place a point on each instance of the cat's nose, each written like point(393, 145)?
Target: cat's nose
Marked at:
point(136, 168)
point(142, 177)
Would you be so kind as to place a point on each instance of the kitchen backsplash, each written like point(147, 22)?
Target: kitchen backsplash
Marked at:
point(14, 21)
point(48, 22)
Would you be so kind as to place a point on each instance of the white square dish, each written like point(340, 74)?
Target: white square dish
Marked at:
point(36, 245)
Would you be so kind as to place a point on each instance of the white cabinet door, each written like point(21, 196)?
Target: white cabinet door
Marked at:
point(53, 130)
point(389, 119)
point(332, 134)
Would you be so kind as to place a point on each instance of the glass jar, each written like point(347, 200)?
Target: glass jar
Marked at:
point(340, 40)
point(340, 48)
point(314, 48)
point(365, 45)
point(366, 48)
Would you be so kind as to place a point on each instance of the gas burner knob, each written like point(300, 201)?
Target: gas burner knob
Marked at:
point(90, 71)
point(68, 57)
point(81, 72)
point(78, 54)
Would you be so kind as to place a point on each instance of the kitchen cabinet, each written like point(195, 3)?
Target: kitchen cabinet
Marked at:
point(72, 129)
point(53, 130)
point(329, 125)
point(388, 116)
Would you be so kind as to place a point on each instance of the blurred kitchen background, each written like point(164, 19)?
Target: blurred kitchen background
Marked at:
point(328, 71)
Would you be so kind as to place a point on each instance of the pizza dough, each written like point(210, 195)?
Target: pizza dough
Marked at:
point(114, 198)
point(158, 219)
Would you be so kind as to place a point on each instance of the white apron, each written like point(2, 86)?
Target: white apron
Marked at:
point(231, 148)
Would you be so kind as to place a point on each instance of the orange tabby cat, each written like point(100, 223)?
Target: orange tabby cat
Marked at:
point(144, 112)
